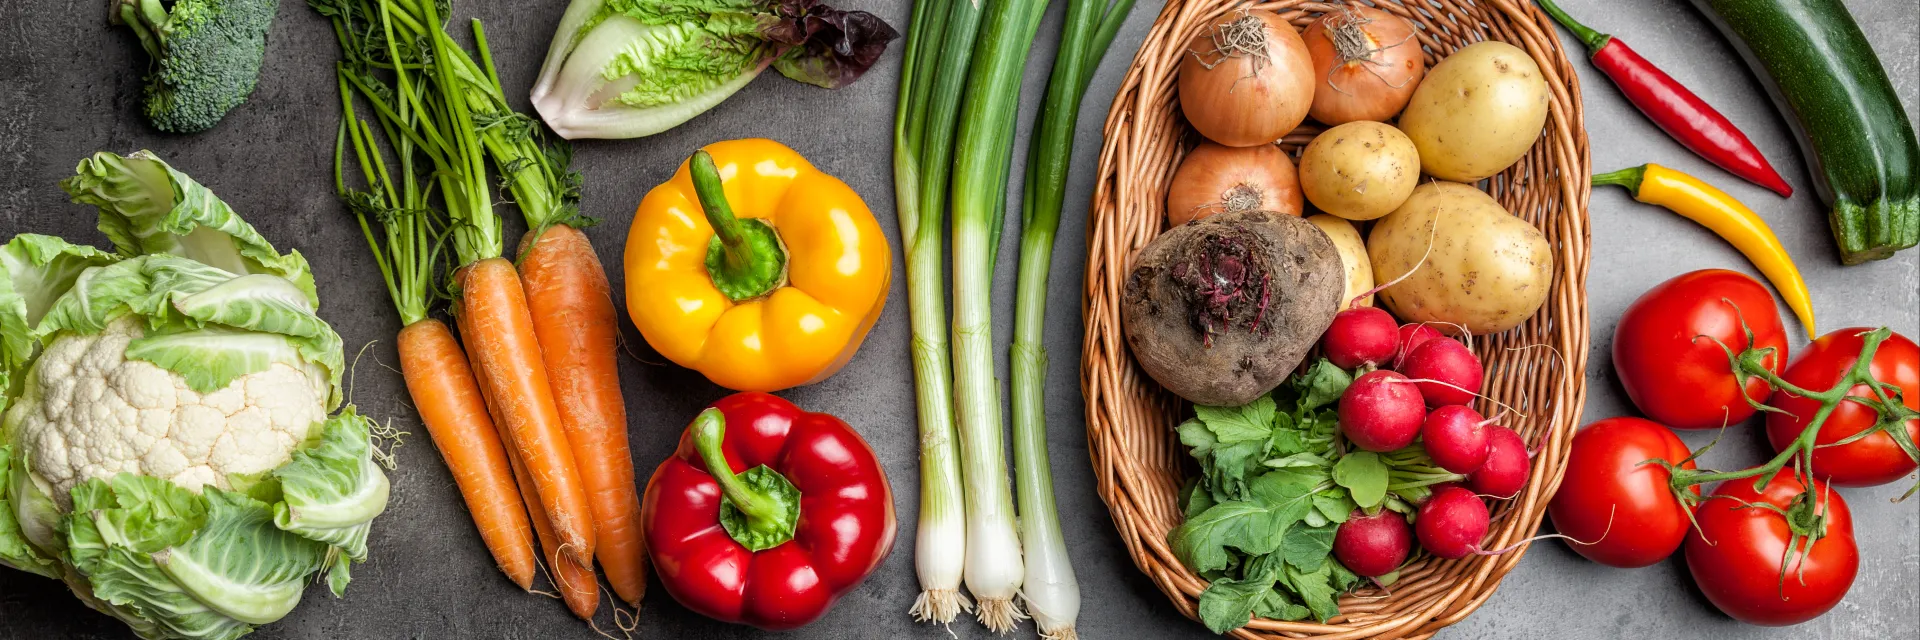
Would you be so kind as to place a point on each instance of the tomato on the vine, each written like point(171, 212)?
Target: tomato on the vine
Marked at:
point(1665, 353)
point(1741, 559)
point(1875, 459)
point(1609, 499)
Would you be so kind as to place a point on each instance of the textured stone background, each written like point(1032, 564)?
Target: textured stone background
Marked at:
point(72, 88)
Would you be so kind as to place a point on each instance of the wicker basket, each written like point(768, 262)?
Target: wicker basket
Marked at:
point(1137, 459)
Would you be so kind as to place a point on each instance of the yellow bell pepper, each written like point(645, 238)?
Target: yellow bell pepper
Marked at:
point(784, 292)
point(1727, 218)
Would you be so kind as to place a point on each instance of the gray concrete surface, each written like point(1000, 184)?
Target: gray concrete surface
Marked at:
point(72, 87)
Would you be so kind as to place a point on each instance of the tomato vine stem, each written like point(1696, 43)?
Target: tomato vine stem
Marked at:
point(1752, 363)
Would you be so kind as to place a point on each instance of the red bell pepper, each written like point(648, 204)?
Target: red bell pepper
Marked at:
point(796, 513)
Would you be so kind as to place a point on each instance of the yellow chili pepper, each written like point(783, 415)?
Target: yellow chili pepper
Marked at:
point(781, 295)
point(1727, 218)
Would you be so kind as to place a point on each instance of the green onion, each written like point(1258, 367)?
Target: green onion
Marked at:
point(939, 47)
point(994, 569)
point(1051, 593)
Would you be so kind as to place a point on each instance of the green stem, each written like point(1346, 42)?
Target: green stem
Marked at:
point(1587, 36)
point(709, 429)
point(746, 259)
point(1629, 177)
point(1752, 362)
point(1051, 589)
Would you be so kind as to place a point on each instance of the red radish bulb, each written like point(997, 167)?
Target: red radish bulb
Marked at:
point(1373, 545)
point(1456, 438)
point(1504, 473)
point(1447, 372)
point(1381, 411)
point(1361, 336)
point(1413, 334)
point(1451, 523)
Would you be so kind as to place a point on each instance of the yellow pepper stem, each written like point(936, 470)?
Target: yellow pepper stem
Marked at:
point(1726, 217)
point(746, 259)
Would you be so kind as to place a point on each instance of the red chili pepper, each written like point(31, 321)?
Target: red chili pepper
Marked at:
point(1676, 110)
point(799, 513)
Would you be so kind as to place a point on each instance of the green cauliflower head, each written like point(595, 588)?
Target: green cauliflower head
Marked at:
point(165, 448)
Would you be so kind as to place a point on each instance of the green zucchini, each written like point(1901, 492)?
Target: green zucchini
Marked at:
point(1824, 77)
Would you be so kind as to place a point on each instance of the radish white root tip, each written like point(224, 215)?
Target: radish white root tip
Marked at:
point(1603, 536)
point(1433, 230)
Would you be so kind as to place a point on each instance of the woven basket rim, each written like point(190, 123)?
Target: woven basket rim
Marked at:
point(1128, 418)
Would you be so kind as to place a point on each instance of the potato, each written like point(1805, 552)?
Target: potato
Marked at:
point(1488, 271)
point(1222, 309)
point(1359, 170)
point(1353, 256)
point(1477, 112)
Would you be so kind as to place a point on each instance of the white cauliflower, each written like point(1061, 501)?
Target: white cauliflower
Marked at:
point(165, 448)
point(101, 414)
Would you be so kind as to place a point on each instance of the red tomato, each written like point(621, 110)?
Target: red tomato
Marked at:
point(1623, 507)
point(1737, 553)
point(1671, 369)
point(1866, 462)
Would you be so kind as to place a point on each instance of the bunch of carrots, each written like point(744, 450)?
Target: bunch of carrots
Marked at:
point(525, 407)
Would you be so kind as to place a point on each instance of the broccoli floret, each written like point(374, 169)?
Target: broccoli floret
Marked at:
point(207, 53)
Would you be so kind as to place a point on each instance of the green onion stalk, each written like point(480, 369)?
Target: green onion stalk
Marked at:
point(939, 48)
point(1051, 592)
point(994, 569)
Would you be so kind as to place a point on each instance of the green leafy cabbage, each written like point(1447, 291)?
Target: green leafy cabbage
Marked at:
point(209, 321)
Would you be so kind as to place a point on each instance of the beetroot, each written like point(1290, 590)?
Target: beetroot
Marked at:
point(1504, 473)
point(1451, 523)
point(1373, 545)
point(1221, 310)
point(1381, 411)
point(1361, 336)
point(1446, 372)
point(1456, 438)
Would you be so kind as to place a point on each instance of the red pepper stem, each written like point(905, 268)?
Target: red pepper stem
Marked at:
point(1629, 177)
point(762, 511)
point(1593, 39)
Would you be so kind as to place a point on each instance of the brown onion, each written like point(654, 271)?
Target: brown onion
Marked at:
point(1367, 63)
point(1218, 179)
point(1247, 81)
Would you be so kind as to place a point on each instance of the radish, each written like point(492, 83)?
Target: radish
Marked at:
point(1456, 438)
point(1446, 372)
point(1504, 473)
point(1373, 545)
point(1361, 336)
point(1413, 334)
point(1381, 411)
point(1451, 523)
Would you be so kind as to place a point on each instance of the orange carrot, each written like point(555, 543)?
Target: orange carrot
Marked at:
point(575, 321)
point(577, 584)
point(509, 367)
point(449, 402)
